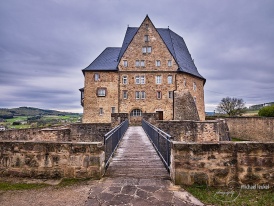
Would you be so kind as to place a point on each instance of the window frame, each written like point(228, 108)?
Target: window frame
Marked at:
point(137, 95)
point(125, 63)
point(158, 79)
point(170, 94)
point(146, 38)
point(112, 110)
point(157, 63)
point(137, 63)
point(124, 80)
point(99, 94)
point(136, 113)
point(142, 79)
point(96, 77)
point(159, 94)
point(169, 63)
point(137, 79)
point(101, 111)
point(169, 79)
point(142, 94)
point(194, 86)
point(144, 50)
point(125, 94)
point(149, 49)
point(142, 63)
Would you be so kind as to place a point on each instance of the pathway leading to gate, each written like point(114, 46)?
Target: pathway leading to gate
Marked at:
point(137, 176)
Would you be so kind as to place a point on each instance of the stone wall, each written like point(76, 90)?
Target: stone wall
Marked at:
point(118, 118)
point(185, 106)
point(259, 129)
point(195, 131)
point(74, 132)
point(51, 160)
point(217, 164)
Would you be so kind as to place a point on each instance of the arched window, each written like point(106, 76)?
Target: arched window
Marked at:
point(136, 112)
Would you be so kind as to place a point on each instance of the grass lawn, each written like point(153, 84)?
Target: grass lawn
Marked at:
point(241, 197)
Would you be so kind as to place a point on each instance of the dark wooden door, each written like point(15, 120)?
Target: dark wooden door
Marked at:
point(160, 115)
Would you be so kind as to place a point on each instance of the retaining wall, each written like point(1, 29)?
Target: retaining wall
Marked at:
point(259, 129)
point(51, 159)
point(195, 131)
point(74, 132)
point(217, 164)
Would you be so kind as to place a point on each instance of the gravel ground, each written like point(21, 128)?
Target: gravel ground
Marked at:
point(74, 195)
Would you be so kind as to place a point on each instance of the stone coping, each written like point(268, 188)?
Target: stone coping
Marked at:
point(52, 142)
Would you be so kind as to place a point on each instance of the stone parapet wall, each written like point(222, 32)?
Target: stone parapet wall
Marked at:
point(93, 132)
point(217, 164)
point(259, 129)
point(51, 160)
point(195, 131)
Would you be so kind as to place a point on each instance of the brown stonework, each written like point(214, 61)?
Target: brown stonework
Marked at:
point(259, 129)
point(51, 160)
point(218, 164)
point(115, 86)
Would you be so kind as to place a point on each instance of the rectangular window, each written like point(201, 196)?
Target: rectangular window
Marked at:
point(194, 86)
point(146, 38)
point(137, 95)
point(101, 92)
point(159, 95)
point(124, 94)
point(124, 79)
point(194, 98)
point(137, 63)
point(142, 79)
point(137, 80)
point(158, 79)
point(157, 63)
point(169, 79)
point(149, 49)
point(125, 63)
point(143, 95)
point(96, 77)
point(169, 63)
point(112, 109)
point(101, 111)
point(170, 94)
point(142, 63)
point(144, 50)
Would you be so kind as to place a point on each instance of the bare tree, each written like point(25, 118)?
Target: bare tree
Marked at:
point(231, 106)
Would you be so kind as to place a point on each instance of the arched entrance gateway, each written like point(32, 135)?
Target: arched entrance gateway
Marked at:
point(135, 117)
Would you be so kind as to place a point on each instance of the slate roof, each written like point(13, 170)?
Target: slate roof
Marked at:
point(106, 61)
point(109, 59)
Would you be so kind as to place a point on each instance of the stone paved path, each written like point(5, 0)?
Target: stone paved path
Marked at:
point(137, 176)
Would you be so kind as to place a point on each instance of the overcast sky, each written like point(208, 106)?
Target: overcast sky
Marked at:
point(44, 45)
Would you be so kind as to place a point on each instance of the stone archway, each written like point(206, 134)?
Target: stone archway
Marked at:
point(135, 117)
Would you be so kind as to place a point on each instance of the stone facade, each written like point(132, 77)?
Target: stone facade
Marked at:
point(121, 85)
point(51, 160)
point(259, 129)
point(218, 164)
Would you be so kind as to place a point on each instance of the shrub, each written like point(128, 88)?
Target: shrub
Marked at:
point(267, 111)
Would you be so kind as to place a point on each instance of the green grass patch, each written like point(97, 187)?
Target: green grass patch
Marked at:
point(216, 196)
point(235, 139)
point(4, 186)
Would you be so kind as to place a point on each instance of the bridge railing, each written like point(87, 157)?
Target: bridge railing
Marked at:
point(160, 140)
point(112, 139)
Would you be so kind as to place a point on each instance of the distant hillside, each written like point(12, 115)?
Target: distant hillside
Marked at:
point(30, 111)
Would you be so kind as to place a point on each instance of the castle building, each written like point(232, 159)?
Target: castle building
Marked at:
point(148, 74)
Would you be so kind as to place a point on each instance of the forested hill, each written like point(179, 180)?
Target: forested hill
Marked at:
point(30, 111)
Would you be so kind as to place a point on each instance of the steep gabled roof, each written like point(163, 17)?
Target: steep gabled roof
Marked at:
point(109, 59)
point(175, 44)
point(106, 61)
